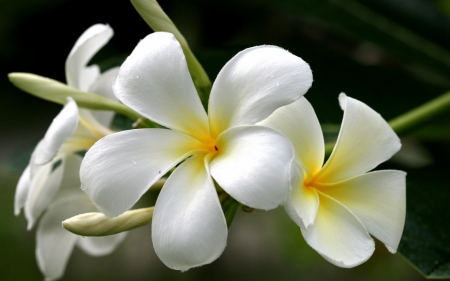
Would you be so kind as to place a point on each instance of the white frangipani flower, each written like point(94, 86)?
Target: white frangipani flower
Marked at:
point(42, 186)
point(339, 204)
point(72, 130)
point(251, 163)
point(54, 244)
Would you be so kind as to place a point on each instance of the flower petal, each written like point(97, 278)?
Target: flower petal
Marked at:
point(103, 87)
point(154, 81)
point(253, 165)
point(365, 141)
point(189, 227)
point(302, 203)
point(59, 131)
point(54, 243)
point(378, 199)
point(22, 189)
point(299, 123)
point(90, 42)
point(253, 84)
point(338, 235)
point(100, 246)
point(44, 186)
point(121, 167)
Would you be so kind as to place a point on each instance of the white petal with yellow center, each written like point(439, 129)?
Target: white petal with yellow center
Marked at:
point(365, 141)
point(378, 200)
point(121, 167)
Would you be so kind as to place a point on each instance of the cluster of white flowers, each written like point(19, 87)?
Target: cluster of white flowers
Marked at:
point(51, 184)
point(260, 142)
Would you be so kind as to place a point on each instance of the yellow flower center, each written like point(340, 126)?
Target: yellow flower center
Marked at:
point(310, 181)
point(209, 145)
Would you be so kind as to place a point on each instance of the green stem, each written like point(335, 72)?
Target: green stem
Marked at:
point(414, 117)
point(158, 20)
point(420, 114)
point(231, 211)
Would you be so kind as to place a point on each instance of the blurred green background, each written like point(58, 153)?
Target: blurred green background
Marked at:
point(391, 54)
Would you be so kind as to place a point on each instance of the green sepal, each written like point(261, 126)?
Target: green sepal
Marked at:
point(230, 207)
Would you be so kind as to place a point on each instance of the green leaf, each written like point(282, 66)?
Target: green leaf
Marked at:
point(426, 237)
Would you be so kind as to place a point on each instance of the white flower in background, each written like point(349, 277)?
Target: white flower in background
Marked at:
point(71, 131)
point(338, 205)
point(251, 163)
point(54, 244)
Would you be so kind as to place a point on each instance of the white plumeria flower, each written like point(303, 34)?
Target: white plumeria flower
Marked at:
point(337, 205)
point(54, 244)
point(49, 171)
point(251, 163)
point(72, 130)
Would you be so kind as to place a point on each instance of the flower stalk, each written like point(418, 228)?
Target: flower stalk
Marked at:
point(158, 20)
point(420, 114)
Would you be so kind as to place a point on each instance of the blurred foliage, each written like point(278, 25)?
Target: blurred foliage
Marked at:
point(391, 54)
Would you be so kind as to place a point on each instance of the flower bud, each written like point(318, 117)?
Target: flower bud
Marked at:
point(97, 224)
point(57, 92)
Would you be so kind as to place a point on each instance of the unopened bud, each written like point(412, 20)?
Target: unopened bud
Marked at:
point(55, 91)
point(97, 224)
